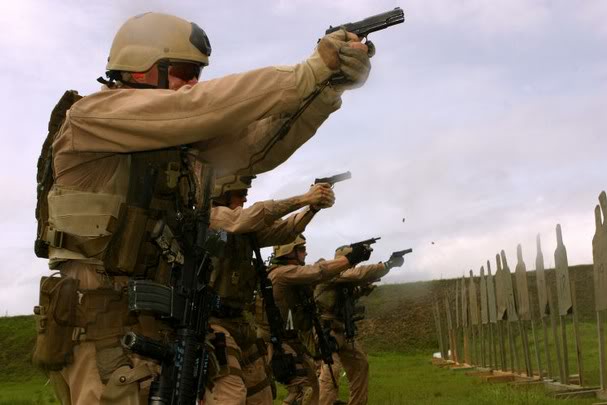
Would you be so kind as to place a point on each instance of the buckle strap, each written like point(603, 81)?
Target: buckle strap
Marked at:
point(236, 371)
point(251, 358)
point(89, 247)
point(260, 386)
point(234, 353)
point(254, 352)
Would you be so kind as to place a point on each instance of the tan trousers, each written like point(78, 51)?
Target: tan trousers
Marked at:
point(302, 390)
point(79, 383)
point(236, 382)
point(355, 364)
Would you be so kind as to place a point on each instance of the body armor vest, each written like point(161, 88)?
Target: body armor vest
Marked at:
point(288, 299)
point(326, 299)
point(132, 230)
point(234, 278)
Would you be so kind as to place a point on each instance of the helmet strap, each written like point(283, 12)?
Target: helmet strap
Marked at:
point(114, 75)
point(163, 74)
point(108, 83)
point(136, 85)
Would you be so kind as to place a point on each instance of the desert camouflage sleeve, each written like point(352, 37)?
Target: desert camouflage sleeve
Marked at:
point(308, 274)
point(228, 119)
point(363, 273)
point(242, 220)
point(245, 153)
point(262, 218)
point(285, 231)
point(298, 275)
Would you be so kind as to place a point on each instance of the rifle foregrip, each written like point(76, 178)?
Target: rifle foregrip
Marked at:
point(145, 346)
point(188, 361)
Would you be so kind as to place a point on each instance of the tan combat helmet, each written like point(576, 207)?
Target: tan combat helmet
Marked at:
point(283, 250)
point(148, 38)
point(229, 183)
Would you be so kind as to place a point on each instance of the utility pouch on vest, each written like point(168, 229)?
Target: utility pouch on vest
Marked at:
point(124, 249)
point(55, 321)
point(140, 235)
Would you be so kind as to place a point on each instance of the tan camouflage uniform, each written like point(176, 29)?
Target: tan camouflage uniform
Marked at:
point(234, 279)
point(228, 117)
point(350, 356)
point(288, 281)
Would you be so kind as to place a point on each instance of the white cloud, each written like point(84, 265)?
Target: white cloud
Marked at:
point(491, 18)
point(591, 15)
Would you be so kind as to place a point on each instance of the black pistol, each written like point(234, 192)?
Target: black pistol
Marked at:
point(334, 179)
point(371, 24)
point(366, 242)
point(401, 253)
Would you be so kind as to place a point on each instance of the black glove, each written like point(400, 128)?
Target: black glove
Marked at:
point(394, 261)
point(359, 253)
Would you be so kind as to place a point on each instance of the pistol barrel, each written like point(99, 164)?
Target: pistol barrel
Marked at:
point(371, 24)
point(401, 253)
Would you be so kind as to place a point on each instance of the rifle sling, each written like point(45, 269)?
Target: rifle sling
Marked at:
point(265, 281)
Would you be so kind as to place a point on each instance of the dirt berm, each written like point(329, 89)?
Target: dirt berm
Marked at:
point(399, 316)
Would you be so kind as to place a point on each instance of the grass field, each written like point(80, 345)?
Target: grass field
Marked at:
point(395, 379)
point(410, 379)
point(31, 392)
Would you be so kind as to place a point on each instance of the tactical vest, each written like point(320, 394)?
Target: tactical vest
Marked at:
point(326, 299)
point(130, 233)
point(130, 229)
point(234, 278)
point(289, 302)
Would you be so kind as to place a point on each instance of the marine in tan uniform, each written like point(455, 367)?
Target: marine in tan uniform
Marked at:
point(153, 123)
point(244, 377)
point(350, 356)
point(292, 279)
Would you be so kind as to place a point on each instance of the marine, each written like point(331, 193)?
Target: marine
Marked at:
point(244, 375)
point(330, 297)
point(293, 282)
point(123, 169)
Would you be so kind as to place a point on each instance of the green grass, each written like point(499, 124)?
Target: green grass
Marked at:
point(411, 379)
point(17, 337)
point(29, 392)
point(395, 379)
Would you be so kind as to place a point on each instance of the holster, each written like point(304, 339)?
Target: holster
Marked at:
point(283, 367)
point(55, 322)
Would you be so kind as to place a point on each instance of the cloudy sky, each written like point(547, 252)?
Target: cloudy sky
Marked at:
point(483, 122)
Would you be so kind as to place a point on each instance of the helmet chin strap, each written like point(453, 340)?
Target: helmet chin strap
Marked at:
point(163, 74)
point(163, 78)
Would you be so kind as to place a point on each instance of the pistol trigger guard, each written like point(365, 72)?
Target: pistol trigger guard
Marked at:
point(371, 46)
